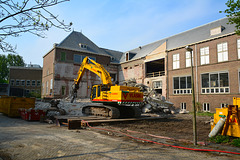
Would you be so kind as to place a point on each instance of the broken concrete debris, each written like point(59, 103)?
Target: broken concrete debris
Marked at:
point(153, 102)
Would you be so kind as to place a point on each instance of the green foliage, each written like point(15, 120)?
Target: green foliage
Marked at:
point(6, 62)
point(236, 142)
point(34, 94)
point(198, 106)
point(209, 114)
point(233, 12)
point(220, 139)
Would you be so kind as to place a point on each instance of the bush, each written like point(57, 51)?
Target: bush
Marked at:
point(236, 142)
point(220, 139)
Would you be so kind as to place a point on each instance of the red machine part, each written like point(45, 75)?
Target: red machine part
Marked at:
point(31, 114)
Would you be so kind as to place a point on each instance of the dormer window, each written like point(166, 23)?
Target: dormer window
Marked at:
point(127, 56)
point(217, 30)
point(84, 46)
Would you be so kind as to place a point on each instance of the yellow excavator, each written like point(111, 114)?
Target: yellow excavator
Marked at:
point(114, 101)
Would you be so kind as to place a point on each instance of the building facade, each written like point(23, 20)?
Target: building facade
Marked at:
point(164, 66)
point(25, 81)
point(61, 65)
point(215, 65)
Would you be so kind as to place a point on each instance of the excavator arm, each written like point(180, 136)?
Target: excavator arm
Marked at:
point(94, 67)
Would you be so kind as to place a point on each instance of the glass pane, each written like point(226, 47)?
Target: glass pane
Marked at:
point(214, 80)
point(182, 82)
point(189, 83)
point(205, 80)
point(203, 90)
point(224, 80)
point(176, 82)
point(226, 90)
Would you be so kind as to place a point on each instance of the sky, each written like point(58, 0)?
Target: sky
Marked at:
point(120, 25)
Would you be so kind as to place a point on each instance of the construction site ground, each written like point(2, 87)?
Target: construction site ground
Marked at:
point(23, 140)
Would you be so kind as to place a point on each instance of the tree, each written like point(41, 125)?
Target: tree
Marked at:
point(233, 12)
point(32, 16)
point(6, 62)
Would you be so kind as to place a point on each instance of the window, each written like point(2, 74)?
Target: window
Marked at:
point(63, 56)
point(222, 50)
point(22, 82)
point(224, 105)
point(176, 61)
point(63, 90)
point(27, 91)
point(28, 82)
point(77, 59)
point(215, 82)
point(46, 87)
point(12, 82)
point(204, 53)
point(183, 106)
point(127, 56)
point(33, 82)
point(182, 85)
point(17, 82)
point(43, 88)
point(84, 46)
point(188, 59)
point(38, 83)
point(206, 107)
point(51, 84)
point(157, 84)
point(238, 47)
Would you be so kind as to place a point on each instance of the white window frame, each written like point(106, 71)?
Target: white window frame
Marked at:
point(204, 55)
point(17, 82)
point(183, 105)
point(28, 83)
point(38, 83)
point(176, 61)
point(224, 105)
point(206, 107)
point(238, 48)
point(33, 83)
point(222, 50)
point(188, 59)
point(22, 82)
point(182, 90)
point(157, 84)
point(46, 87)
point(215, 90)
point(51, 83)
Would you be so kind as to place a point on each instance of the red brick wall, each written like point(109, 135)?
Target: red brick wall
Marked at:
point(232, 66)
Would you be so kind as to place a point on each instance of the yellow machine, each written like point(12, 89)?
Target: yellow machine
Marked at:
point(232, 115)
point(118, 101)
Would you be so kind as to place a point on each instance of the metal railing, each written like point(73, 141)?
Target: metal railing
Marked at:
point(155, 74)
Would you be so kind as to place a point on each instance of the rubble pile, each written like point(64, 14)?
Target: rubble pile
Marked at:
point(153, 101)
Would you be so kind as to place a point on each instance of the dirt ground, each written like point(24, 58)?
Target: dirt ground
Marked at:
point(178, 126)
point(20, 140)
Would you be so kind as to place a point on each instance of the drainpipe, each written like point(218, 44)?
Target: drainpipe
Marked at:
point(166, 68)
point(196, 71)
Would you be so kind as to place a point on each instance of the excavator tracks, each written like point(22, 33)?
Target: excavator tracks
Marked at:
point(112, 112)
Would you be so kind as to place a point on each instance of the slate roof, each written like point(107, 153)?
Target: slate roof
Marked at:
point(115, 55)
point(194, 35)
point(198, 34)
point(143, 51)
point(72, 42)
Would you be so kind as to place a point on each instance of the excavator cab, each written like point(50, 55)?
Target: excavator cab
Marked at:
point(97, 89)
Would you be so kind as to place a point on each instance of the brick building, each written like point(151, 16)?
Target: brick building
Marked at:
point(62, 62)
point(163, 65)
point(25, 80)
point(216, 66)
